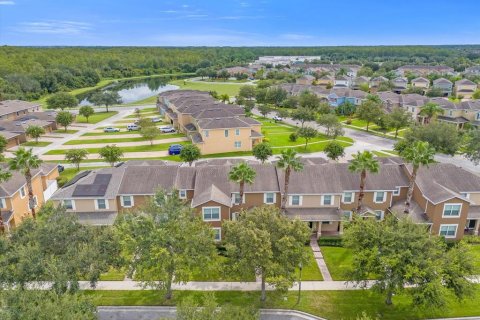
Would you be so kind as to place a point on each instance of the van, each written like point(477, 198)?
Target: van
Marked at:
point(133, 127)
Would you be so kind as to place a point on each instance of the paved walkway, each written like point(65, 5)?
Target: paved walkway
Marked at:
point(317, 253)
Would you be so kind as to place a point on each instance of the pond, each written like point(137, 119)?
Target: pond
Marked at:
point(132, 90)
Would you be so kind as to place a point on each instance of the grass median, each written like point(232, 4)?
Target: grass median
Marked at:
point(113, 140)
point(96, 117)
point(145, 148)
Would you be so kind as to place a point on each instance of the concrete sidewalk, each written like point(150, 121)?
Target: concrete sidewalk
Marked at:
point(149, 154)
point(120, 144)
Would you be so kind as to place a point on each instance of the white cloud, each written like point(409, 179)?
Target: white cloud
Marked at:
point(295, 36)
point(7, 3)
point(54, 27)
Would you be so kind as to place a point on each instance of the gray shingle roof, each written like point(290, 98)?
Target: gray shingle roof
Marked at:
point(11, 106)
point(315, 214)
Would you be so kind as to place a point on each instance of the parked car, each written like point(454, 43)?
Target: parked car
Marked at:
point(175, 149)
point(60, 168)
point(277, 118)
point(111, 129)
point(133, 127)
point(167, 129)
point(155, 120)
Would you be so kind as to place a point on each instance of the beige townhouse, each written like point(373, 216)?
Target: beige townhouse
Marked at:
point(13, 109)
point(420, 82)
point(465, 88)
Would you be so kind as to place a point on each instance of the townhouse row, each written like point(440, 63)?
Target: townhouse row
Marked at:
point(213, 126)
point(446, 198)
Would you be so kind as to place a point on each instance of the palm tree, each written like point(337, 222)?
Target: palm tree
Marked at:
point(288, 161)
point(241, 174)
point(430, 110)
point(224, 98)
point(363, 162)
point(418, 154)
point(24, 161)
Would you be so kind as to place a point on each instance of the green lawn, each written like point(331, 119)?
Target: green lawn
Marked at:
point(218, 273)
point(310, 271)
point(162, 137)
point(360, 123)
point(475, 250)
point(146, 148)
point(113, 275)
point(338, 260)
point(96, 117)
point(333, 305)
point(69, 131)
point(35, 144)
point(143, 114)
point(381, 154)
point(221, 88)
point(91, 134)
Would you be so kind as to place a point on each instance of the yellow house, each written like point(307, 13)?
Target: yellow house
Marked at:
point(465, 88)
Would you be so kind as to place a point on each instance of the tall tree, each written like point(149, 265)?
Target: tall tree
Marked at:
point(86, 111)
point(330, 123)
point(334, 150)
point(76, 156)
point(64, 118)
point(399, 118)
point(35, 132)
point(418, 154)
point(303, 115)
point(405, 258)
point(105, 98)
point(111, 154)
point(370, 109)
point(472, 146)
point(288, 161)
point(444, 137)
point(264, 109)
point(309, 100)
point(24, 161)
point(242, 173)
point(247, 92)
point(307, 133)
point(276, 95)
point(262, 151)
point(150, 133)
point(430, 110)
point(190, 153)
point(166, 241)
point(264, 242)
point(363, 162)
point(62, 100)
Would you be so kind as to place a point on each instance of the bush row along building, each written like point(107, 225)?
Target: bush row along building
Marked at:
point(16, 116)
point(446, 198)
point(213, 126)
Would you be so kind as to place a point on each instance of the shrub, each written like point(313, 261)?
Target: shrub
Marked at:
point(330, 241)
point(472, 239)
point(293, 137)
point(348, 121)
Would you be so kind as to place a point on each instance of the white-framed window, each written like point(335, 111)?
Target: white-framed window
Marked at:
point(295, 200)
point(3, 203)
point(448, 230)
point(347, 215)
point(211, 213)
point(269, 197)
point(234, 216)
point(465, 195)
point(379, 196)
point(478, 116)
point(182, 194)
point(396, 192)
point(237, 132)
point(217, 234)
point(236, 198)
point(327, 200)
point(452, 209)
point(205, 133)
point(348, 197)
point(69, 204)
point(101, 204)
point(126, 201)
point(238, 144)
point(379, 215)
point(23, 193)
point(226, 133)
point(35, 203)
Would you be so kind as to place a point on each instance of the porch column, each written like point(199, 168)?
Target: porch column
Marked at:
point(319, 229)
point(340, 231)
point(477, 226)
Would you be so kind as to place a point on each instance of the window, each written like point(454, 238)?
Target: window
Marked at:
point(465, 195)
point(326, 222)
point(448, 230)
point(238, 144)
point(450, 113)
point(478, 116)
point(237, 132)
point(69, 204)
point(379, 214)
point(295, 200)
point(101, 204)
point(236, 198)
point(226, 133)
point(396, 192)
point(127, 201)
point(182, 194)
point(217, 234)
point(347, 197)
point(327, 200)
point(211, 213)
point(3, 203)
point(452, 210)
point(269, 198)
point(379, 197)
point(347, 215)
point(205, 133)
point(22, 192)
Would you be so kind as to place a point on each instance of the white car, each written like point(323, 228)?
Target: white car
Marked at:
point(154, 120)
point(167, 129)
point(111, 129)
point(133, 127)
point(277, 118)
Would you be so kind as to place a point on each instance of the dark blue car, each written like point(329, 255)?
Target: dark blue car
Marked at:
point(175, 149)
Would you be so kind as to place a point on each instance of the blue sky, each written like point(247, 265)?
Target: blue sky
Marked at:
point(238, 22)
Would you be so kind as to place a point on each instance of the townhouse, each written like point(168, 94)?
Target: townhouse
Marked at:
point(13, 109)
point(474, 70)
point(324, 195)
point(420, 70)
point(358, 82)
point(305, 80)
point(443, 85)
point(334, 96)
point(14, 204)
point(465, 88)
point(400, 84)
point(420, 82)
point(213, 126)
point(375, 82)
